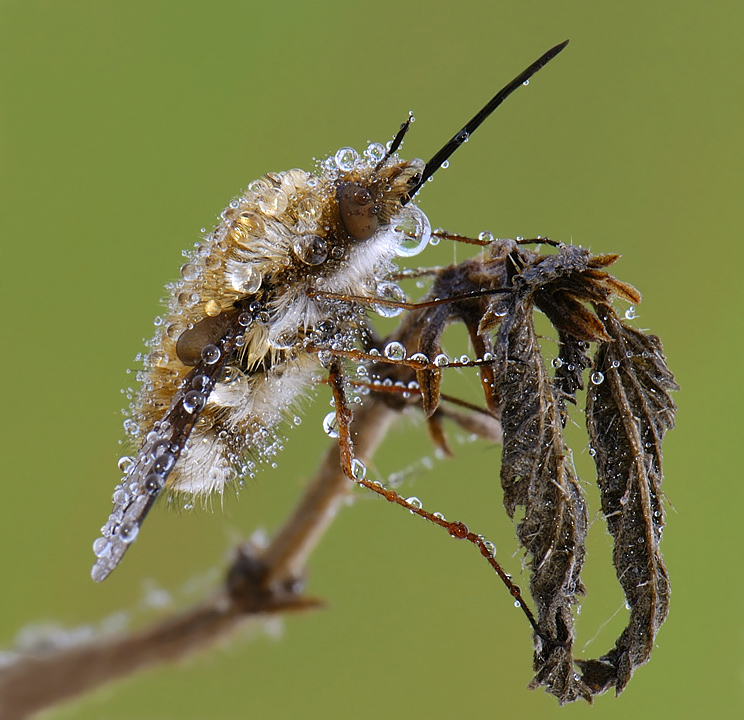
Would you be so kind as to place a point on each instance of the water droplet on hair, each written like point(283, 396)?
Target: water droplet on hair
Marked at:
point(459, 530)
point(414, 502)
point(358, 469)
point(346, 158)
point(212, 308)
point(374, 153)
point(272, 201)
point(310, 210)
point(389, 291)
point(330, 425)
point(597, 378)
point(394, 351)
point(245, 278)
point(310, 249)
point(630, 313)
point(189, 272)
point(414, 231)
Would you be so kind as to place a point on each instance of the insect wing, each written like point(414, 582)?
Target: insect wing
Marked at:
point(156, 459)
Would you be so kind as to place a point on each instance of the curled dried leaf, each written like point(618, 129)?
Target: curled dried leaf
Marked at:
point(628, 413)
point(536, 474)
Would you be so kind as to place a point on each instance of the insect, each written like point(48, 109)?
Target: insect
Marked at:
point(281, 285)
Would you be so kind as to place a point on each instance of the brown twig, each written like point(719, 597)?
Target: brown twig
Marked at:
point(257, 585)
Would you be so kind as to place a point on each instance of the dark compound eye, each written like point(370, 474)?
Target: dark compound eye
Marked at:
point(357, 208)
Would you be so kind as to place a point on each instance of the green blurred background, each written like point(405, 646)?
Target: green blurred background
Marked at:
point(126, 127)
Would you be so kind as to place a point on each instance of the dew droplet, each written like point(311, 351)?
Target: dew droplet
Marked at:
point(459, 530)
point(200, 382)
point(389, 291)
point(309, 210)
point(245, 278)
point(490, 548)
point(158, 358)
point(163, 463)
point(413, 229)
point(394, 351)
point(441, 360)
point(251, 223)
point(358, 469)
point(153, 483)
point(485, 236)
point(120, 497)
point(193, 401)
point(311, 249)
point(285, 339)
point(272, 201)
point(125, 463)
point(597, 378)
point(212, 308)
point(128, 532)
point(346, 158)
point(101, 546)
point(189, 272)
point(630, 313)
point(374, 153)
point(419, 358)
point(330, 425)
point(414, 502)
point(210, 354)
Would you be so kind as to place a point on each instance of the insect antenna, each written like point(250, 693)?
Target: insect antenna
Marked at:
point(462, 136)
point(397, 141)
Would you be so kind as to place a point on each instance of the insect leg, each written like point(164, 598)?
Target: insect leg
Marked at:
point(356, 472)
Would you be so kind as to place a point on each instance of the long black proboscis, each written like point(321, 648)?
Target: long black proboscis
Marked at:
point(459, 138)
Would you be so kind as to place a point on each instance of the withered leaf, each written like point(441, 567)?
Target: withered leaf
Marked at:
point(628, 412)
point(537, 474)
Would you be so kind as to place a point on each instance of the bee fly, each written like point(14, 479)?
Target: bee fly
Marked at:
point(263, 302)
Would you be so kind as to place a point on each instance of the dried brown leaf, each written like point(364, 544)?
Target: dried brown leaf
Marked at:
point(628, 412)
point(537, 474)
